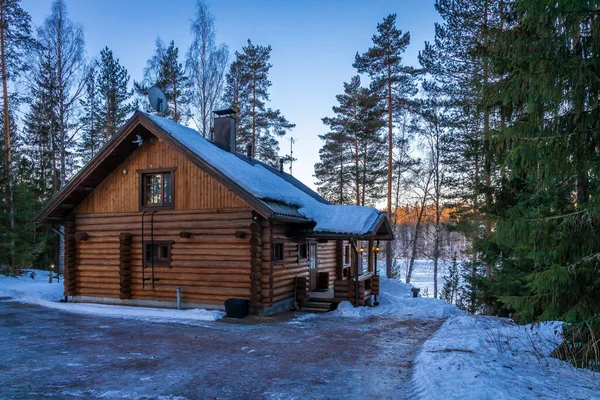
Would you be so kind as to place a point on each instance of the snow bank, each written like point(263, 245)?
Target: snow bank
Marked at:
point(396, 301)
point(476, 357)
point(264, 184)
point(39, 291)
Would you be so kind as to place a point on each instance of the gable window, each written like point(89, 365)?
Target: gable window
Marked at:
point(302, 252)
point(277, 249)
point(156, 189)
point(157, 253)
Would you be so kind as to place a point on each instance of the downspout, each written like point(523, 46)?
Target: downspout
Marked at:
point(60, 234)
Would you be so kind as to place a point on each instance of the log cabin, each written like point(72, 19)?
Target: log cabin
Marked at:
point(160, 208)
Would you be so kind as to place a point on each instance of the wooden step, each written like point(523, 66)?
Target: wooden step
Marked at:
point(316, 306)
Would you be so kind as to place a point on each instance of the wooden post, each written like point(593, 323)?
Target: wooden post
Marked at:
point(339, 259)
point(371, 253)
point(255, 262)
point(125, 265)
point(70, 260)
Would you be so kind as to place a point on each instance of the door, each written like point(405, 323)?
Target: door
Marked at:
point(312, 266)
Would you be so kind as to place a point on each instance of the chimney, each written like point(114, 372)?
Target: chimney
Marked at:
point(225, 130)
point(281, 165)
point(249, 150)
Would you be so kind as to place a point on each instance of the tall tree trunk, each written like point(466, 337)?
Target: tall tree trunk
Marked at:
point(486, 144)
point(253, 119)
point(388, 249)
point(7, 143)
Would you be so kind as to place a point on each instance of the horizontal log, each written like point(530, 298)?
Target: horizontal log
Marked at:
point(171, 215)
point(161, 289)
point(239, 224)
point(180, 257)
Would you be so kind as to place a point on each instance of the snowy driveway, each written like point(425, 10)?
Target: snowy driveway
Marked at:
point(48, 353)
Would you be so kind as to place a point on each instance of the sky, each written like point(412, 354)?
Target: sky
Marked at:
point(314, 43)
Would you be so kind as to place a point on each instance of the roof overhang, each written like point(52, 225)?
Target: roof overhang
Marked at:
point(380, 230)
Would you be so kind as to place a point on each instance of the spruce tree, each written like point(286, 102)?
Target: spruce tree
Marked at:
point(15, 42)
point(113, 93)
point(546, 244)
point(395, 81)
point(91, 137)
point(248, 91)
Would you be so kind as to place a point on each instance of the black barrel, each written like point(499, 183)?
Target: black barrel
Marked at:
point(237, 308)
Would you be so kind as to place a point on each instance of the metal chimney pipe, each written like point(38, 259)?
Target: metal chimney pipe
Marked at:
point(249, 150)
point(281, 165)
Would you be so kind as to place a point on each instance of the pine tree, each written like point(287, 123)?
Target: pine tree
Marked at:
point(248, 90)
point(164, 71)
point(91, 137)
point(395, 82)
point(352, 158)
point(113, 94)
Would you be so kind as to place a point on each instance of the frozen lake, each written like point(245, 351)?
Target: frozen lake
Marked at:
point(422, 276)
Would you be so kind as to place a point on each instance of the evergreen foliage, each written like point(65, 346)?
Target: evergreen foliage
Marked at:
point(353, 157)
point(546, 244)
point(247, 90)
point(91, 137)
point(112, 80)
point(164, 71)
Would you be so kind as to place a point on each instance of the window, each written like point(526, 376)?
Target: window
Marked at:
point(157, 253)
point(156, 189)
point(347, 254)
point(277, 249)
point(302, 252)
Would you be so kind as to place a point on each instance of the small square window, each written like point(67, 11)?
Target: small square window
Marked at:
point(157, 253)
point(277, 249)
point(302, 252)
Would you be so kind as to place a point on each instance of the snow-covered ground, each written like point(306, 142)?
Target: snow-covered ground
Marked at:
point(469, 357)
point(38, 291)
point(475, 357)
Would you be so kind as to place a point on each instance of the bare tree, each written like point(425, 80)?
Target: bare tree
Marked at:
point(63, 39)
point(421, 182)
point(205, 63)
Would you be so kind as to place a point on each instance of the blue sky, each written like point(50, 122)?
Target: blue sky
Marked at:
point(314, 44)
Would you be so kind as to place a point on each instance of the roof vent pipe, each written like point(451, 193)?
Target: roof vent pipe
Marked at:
point(281, 165)
point(249, 150)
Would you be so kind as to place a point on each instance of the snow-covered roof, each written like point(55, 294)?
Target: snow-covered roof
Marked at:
point(263, 183)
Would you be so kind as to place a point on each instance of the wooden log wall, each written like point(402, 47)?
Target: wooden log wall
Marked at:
point(210, 266)
point(125, 265)
point(279, 278)
point(69, 273)
point(284, 273)
point(194, 188)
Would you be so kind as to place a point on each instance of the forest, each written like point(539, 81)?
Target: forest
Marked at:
point(493, 138)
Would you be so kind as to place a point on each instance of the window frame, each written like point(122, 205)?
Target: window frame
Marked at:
point(306, 251)
point(273, 245)
point(142, 173)
point(159, 262)
point(347, 255)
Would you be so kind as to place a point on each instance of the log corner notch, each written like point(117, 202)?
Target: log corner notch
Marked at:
point(125, 265)
point(70, 254)
point(82, 236)
point(255, 261)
